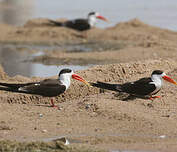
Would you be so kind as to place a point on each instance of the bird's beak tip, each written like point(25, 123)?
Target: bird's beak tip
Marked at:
point(167, 78)
point(77, 77)
point(103, 18)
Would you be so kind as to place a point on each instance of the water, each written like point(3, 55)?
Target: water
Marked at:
point(45, 71)
point(16, 59)
point(78, 138)
point(160, 13)
point(13, 63)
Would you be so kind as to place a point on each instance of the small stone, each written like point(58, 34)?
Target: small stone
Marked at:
point(166, 116)
point(162, 136)
point(40, 115)
point(60, 108)
point(67, 142)
point(64, 140)
point(44, 131)
point(150, 105)
point(96, 129)
point(87, 106)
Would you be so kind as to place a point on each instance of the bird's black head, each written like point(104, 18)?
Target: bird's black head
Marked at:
point(65, 71)
point(95, 15)
point(91, 13)
point(157, 72)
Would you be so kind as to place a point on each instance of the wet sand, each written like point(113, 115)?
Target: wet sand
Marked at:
point(87, 115)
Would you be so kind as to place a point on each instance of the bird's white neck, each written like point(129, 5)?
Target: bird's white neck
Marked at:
point(92, 20)
point(65, 80)
point(157, 81)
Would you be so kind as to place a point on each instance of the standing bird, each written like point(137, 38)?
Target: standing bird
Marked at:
point(144, 87)
point(47, 87)
point(81, 24)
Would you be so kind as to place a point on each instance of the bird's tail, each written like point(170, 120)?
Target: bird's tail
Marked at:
point(56, 23)
point(11, 85)
point(14, 86)
point(102, 85)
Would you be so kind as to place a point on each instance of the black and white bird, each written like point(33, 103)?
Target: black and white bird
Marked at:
point(47, 87)
point(144, 87)
point(81, 24)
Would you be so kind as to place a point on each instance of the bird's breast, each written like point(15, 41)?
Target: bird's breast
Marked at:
point(158, 85)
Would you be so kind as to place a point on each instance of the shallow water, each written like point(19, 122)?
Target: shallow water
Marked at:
point(161, 13)
point(13, 63)
point(73, 138)
point(18, 59)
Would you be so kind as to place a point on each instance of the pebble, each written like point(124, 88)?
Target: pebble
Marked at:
point(162, 136)
point(87, 106)
point(67, 142)
point(40, 115)
point(44, 131)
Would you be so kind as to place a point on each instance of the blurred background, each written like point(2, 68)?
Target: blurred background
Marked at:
point(162, 13)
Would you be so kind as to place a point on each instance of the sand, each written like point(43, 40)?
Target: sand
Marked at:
point(90, 116)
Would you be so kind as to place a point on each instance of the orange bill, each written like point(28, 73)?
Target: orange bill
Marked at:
point(102, 18)
point(167, 78)
point(77, 77)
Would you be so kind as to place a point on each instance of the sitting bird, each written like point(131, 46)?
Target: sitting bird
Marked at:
point(81, 24)
point(46, 87)
point(144, 87)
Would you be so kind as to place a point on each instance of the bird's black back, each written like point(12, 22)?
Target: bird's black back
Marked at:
point(47, 87)
point(78, 24)
point(139, 87)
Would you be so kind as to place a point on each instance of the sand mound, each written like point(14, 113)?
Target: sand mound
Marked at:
point(107, 73)
point(134, 32)
point(132, 23)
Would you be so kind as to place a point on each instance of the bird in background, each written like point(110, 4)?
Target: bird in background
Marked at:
point(81, 24)
point(46, 87)
point(144, 87)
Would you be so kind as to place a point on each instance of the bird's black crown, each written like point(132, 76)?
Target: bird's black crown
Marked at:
point(159, 72)
point(65, 71)
point(91, 13)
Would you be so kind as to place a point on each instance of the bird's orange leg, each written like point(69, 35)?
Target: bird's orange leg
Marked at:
point(152, 98)
point(52, 104)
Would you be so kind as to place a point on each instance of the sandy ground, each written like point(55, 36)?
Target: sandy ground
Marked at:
point(90, 116)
